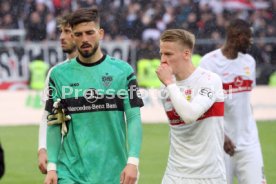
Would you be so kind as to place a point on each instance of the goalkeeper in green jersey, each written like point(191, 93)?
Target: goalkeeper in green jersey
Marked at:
point(100, 93)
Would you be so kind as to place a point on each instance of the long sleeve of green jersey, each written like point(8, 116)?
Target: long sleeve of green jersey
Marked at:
point(134, 131)
point(53, 143)
point(53, 131)
point(132, 111)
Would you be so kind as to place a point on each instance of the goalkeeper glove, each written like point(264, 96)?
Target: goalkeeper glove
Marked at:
point(58, 117)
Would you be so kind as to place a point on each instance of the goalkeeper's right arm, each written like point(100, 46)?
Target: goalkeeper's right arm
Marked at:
point(53, 132)
point(53, 145)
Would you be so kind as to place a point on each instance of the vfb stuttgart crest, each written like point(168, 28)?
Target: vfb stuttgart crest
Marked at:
point(107, 80)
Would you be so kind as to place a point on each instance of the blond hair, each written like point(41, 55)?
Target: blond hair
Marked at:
point(185, 38)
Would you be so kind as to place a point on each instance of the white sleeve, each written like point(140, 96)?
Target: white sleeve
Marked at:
point(43, 131)
point(205, 63)
point(191, 111)
point(45, 91)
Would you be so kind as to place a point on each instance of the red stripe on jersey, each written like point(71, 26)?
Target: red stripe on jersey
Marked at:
point(174, 118)
point(217, 109)
point(238, 85)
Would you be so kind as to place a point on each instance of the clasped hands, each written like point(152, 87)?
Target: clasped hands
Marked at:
point(58, 117)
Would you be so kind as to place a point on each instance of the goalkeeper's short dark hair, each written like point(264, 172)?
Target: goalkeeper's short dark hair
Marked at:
point(85, 15)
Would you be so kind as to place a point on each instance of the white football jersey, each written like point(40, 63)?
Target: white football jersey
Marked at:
point(238, 78)
point(196, 148)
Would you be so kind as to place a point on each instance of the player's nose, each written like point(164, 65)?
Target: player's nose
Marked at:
point(163, 59)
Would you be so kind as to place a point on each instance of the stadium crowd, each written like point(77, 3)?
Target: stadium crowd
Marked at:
point(142, 21)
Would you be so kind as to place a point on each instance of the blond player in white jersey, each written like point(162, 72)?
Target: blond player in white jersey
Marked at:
point(68, 47)
point(237, 71)
point(193, 101)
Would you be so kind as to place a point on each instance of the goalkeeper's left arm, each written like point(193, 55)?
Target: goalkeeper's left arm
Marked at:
point(134, 134)
point(132, 104)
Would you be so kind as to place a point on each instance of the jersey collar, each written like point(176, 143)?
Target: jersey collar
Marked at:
point(91, 64)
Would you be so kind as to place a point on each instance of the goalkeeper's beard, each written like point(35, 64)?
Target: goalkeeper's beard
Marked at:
point(89, 54)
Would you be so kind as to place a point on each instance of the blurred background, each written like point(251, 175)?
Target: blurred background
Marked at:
point(28, 32)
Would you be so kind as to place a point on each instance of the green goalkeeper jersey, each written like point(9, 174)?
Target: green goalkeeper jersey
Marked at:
point(105, 129)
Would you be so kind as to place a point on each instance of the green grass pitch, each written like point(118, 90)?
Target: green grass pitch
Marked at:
point(20, 144)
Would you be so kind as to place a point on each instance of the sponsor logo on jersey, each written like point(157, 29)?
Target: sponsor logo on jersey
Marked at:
point(93, 107)
point(107, 80)
point(238, 85)
point(91, 95)
point(103, 103)
point(238, 81)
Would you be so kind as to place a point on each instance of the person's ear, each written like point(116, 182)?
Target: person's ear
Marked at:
point(187, 54)
point(101, 32)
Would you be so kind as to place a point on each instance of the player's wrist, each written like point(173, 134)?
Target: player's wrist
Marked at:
point(133, 161)
point(41, 150)
point(51, 167)
point(168, 82)
point(171, 85)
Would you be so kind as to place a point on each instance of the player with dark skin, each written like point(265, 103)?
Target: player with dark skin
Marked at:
point(237, 69)
point(236, 42)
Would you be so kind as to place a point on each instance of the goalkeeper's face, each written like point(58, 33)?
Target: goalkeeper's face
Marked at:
point(87, 36)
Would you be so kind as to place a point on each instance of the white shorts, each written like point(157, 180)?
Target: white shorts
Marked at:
point(169, 179)
point(247, 165)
